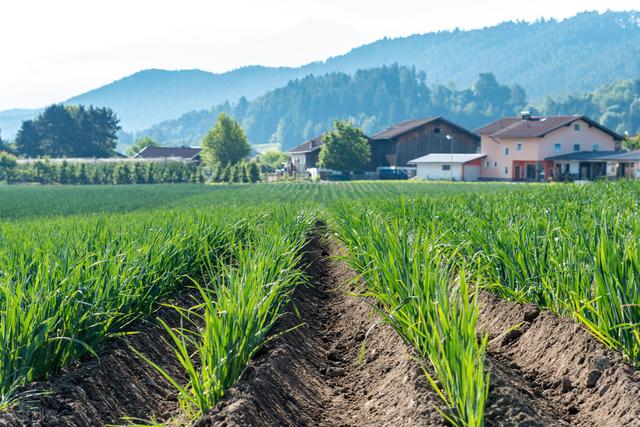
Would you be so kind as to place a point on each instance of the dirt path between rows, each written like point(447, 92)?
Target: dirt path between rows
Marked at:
point(314, 375)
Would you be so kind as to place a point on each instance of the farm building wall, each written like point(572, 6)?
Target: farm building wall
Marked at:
point(436, 171)
point(304, 161)
point(427, 139)
point(312, 159)
point(469, 171)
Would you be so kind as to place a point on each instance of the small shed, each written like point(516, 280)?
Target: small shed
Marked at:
point(445, 166)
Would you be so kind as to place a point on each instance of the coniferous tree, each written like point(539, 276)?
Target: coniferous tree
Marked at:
point(244, 172)
point(151, 174)
point(81, 174)
point(8, 164)
point(226, 173)
point(254, 172)
point(138, 173)
point(236, 173)
point(217, 172)
point(64, 173)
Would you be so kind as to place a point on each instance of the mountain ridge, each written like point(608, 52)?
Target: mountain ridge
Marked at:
point(546, 57)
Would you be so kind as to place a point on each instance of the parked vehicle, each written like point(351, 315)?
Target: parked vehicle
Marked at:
point(392, 174)
point(338, 177)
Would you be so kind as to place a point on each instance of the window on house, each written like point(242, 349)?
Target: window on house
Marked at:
point(576, 147)
point(557, 147)
point(495, 164)
point(506, 151)
point(486, 165)
point(446, 167)
point(519, 146)
point(436, 130)
point(506, 170)
point(576, 127)
point(595, 147)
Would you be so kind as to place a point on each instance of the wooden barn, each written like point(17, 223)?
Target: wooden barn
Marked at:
point(409, 140)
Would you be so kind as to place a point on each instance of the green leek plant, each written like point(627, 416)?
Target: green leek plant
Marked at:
point(411, 275)
point(238, 311)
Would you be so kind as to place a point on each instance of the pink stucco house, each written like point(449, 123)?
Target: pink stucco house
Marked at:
point(542, 148)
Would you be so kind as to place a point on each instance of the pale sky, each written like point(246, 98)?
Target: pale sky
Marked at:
point(51, 50)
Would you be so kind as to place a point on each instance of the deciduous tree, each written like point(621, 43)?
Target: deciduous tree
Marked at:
point(345, 148)
point(226, 143)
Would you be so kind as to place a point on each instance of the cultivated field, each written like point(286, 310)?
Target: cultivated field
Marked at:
point(373, 303)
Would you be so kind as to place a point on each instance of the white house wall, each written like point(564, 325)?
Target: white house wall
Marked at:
point(434, 171)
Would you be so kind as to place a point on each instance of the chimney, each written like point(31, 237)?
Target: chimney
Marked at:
point(525, 115)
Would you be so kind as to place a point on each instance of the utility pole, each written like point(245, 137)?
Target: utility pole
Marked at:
point(450, 138)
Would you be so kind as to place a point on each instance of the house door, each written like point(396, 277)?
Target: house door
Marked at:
point(531, 172)
point(516, 173)
point(585, 170)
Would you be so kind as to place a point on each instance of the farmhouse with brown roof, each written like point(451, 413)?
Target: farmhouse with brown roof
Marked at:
point(305, 155)
point(539, 148)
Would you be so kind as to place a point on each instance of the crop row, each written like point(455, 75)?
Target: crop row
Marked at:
point(571, 249)
point(67, 285)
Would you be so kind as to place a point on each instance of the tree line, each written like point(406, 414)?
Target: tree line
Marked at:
point(225, 152)
point(67, 131)
point(616, 106)
point(44, 172)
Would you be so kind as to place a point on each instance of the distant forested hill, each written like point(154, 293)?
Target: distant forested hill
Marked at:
point(615, 105)
point(379, 97)
point(373, 98)
point(547, 57)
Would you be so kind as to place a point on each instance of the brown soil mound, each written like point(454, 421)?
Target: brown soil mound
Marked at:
point(118, 385)
point(313, 375)
point(560, 366)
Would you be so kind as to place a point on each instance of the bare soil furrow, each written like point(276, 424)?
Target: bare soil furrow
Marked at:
point(557, 360)
point(315, 374)
point(118, 385)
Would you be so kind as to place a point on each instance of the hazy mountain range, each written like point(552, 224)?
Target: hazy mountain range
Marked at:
point(547, 57)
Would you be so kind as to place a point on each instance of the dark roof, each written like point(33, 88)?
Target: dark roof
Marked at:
point(625, 156)
point(447, 158)
point(167, 152)
point(309, 146)
point(593, 156)
point(409, 125)
point(536, 126)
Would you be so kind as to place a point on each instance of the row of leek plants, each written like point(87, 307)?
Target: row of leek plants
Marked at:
point(423, 292)
point(567, 248)
point(67, 285)
point(240, 306)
